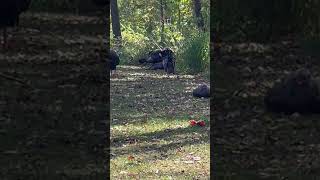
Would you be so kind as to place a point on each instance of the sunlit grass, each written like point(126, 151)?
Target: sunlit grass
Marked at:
point(148, 126)
point(161, 148)
point(150, 131)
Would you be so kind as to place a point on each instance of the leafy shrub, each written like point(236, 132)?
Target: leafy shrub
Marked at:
point(193, 56)
point(134, 45)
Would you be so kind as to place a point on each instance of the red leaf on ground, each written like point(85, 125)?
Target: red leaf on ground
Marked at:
point(201, 123)
point(130, 158)
point(192, 122)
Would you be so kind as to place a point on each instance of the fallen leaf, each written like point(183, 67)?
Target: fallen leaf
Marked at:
point(130, 158)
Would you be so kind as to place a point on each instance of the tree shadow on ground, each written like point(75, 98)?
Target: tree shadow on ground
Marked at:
point(177, 137)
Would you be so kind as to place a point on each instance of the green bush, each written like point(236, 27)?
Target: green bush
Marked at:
point(193, 57)
point(192, 49)
point(134, 45)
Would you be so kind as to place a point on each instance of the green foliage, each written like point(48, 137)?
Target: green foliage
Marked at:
point(134, 45)
point(137, 45)
point(141, 30)
point(193, 57)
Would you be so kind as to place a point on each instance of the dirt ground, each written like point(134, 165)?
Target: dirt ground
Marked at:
point(249, 141)
point(155, 93)
point(53, 99)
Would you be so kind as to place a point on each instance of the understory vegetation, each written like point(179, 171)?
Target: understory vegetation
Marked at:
point(141, 32)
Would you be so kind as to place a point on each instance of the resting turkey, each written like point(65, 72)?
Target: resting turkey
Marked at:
point(114, 61)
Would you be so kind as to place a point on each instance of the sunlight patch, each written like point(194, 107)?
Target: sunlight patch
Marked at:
point(129, 67)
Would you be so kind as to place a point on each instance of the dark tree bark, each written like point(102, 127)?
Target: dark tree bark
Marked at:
point(197, 12)
point(162, 19)
point(115, 19)
point(179, 17)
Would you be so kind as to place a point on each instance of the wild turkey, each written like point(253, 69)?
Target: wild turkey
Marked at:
point(10, 11)
point(114, 61)
point(153, 57)
point(202, 91)
point(168, 61)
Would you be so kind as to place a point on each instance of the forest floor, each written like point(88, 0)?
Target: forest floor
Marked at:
point(53, 99)
point(151, 137)
point(250, 142)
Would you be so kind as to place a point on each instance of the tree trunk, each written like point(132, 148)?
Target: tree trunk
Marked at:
point(197, 12)
point(115, 19)
point(179, 17)
point(162, 20)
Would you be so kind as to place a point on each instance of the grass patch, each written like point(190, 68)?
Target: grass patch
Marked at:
point(150, 133)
